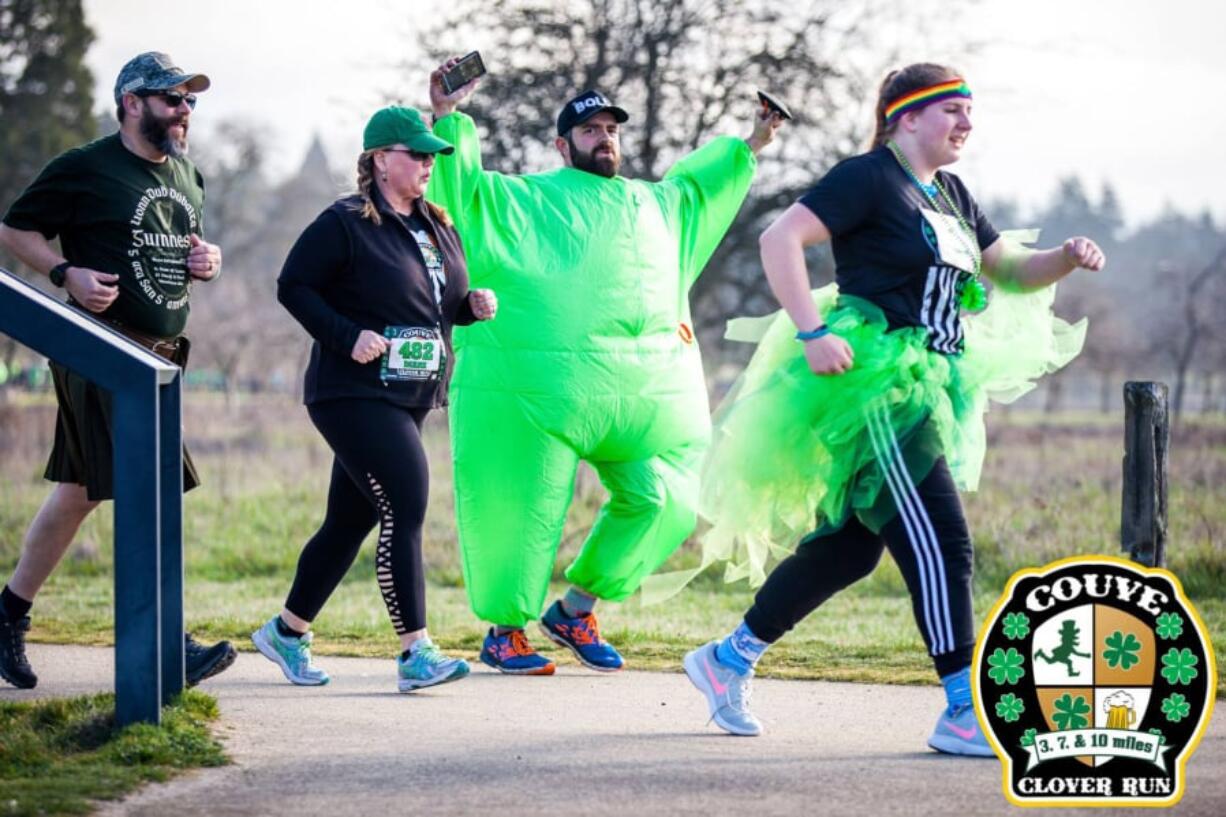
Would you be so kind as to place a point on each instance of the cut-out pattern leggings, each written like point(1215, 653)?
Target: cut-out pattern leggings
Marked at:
point(379, 476)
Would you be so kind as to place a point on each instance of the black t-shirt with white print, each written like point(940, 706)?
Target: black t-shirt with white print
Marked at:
point(430, 254)
point(118, 213)
point(893, 250)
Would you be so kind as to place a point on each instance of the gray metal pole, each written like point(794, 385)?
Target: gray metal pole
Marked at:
point(1147, 431)
point(138, 663)
point(171, 489)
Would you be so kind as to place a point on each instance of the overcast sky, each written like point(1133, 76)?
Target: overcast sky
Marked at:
point(1127, 91)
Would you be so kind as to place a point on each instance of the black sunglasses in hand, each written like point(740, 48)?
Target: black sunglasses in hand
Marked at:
point(173, 99)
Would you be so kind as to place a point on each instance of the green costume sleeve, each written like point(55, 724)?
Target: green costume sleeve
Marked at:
point(467, 191)
point(703, 192)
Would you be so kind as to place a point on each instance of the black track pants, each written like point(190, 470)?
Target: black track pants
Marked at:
point(929, 541)
point(380, 476)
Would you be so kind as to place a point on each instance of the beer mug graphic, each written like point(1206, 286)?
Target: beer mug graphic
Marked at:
point(1121, 710)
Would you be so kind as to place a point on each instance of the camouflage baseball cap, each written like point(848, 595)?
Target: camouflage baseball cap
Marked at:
point(155, 71)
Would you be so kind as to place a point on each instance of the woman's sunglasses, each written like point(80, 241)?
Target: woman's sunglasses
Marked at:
point(415, 155)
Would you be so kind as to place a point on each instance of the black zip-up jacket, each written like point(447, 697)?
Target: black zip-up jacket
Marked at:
point(345, 274)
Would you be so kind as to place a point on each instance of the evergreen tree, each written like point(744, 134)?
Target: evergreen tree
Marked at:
point(46, 91)
point(46, 99)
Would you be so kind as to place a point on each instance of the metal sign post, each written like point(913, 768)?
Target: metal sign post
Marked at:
point(146, 426)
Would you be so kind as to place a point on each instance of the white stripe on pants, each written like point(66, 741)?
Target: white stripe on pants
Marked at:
point(929, 562)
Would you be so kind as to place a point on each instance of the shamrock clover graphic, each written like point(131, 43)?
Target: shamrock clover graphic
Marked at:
point(1010, 707)
point(1071, 711)
point(1017, 626)
point(1179, 666)
point(1175, 707)
point(1005, 667)
point(1122, 650)
point(1158, 734)
point(1028, 737)
point(1170, 626)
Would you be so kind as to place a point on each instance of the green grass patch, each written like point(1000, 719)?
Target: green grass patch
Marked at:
point(58, 755)
point(1050, 488)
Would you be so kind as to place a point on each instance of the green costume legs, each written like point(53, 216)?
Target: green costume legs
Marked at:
point(514, 480)
point(651, 509)
point(513, 484)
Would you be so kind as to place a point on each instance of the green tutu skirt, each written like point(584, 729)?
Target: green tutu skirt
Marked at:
point(793, 451)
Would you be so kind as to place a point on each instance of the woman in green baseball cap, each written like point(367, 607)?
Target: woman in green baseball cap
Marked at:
point(378, 280)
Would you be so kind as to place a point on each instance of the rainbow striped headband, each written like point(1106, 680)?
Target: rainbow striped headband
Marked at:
point(926, 96)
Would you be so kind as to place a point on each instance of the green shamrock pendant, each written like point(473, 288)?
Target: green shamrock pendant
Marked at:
point(974, 297)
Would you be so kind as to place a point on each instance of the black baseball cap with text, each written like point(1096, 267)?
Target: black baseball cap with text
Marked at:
point(584, 107)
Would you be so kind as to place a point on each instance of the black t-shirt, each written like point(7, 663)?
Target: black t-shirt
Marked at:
point(893, 250)
point(118, 213)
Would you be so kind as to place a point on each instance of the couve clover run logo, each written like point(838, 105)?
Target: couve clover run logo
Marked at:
point(1094, 680)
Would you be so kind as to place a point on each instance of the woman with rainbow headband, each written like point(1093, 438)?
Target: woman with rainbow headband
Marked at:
point(863, 406)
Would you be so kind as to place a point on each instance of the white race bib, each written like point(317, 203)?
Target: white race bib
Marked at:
point(953, 244)
point(414, 353)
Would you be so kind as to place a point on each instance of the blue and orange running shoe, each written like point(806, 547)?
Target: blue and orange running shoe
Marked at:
point(511, 653)
point(582, 637)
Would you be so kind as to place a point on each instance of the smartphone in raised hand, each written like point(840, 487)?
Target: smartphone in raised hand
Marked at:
point(463, 72)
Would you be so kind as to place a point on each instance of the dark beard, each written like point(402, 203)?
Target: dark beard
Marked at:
point(157, 131)
point(606, 166)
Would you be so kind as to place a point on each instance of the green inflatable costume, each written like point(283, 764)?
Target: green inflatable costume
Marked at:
point(592, 356)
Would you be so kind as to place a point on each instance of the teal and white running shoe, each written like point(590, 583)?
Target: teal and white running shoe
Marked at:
point(427, 667)
point(727, 691)
point(292, 655)
point(958, 733)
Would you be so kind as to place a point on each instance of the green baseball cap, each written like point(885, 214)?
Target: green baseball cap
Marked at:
point(395, 125)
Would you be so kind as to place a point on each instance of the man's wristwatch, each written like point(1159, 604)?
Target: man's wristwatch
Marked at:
point(58, 272)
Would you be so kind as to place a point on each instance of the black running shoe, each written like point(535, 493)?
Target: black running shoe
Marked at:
point(14, 666)
point(205, 662)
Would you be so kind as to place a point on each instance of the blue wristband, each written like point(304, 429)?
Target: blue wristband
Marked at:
point(819, 332)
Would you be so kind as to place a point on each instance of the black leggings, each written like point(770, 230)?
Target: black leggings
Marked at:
point(380, 475)
point(929, 541)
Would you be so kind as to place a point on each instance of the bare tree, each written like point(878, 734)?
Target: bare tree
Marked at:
point(687, 71)
point(1203, 296)
point(240, 329)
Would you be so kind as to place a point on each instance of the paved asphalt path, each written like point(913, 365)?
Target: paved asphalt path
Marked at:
point(632, 743)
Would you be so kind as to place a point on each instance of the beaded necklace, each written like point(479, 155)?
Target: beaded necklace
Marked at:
point(972, 297)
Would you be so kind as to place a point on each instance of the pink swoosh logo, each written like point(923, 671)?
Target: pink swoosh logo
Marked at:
point(720, 689)
point(965, 734)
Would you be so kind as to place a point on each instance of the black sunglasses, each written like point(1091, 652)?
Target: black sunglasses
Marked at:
point(173, 99)
point(415, 155)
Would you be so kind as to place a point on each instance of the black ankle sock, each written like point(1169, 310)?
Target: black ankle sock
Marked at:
point(15, 607)
point(287, 631)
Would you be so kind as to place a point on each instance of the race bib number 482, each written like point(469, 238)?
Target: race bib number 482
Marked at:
point(414, 353)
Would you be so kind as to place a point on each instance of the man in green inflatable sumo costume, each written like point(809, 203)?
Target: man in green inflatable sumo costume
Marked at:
point(592, 357)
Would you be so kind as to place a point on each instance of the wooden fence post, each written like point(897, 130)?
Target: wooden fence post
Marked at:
point(1147, 433)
